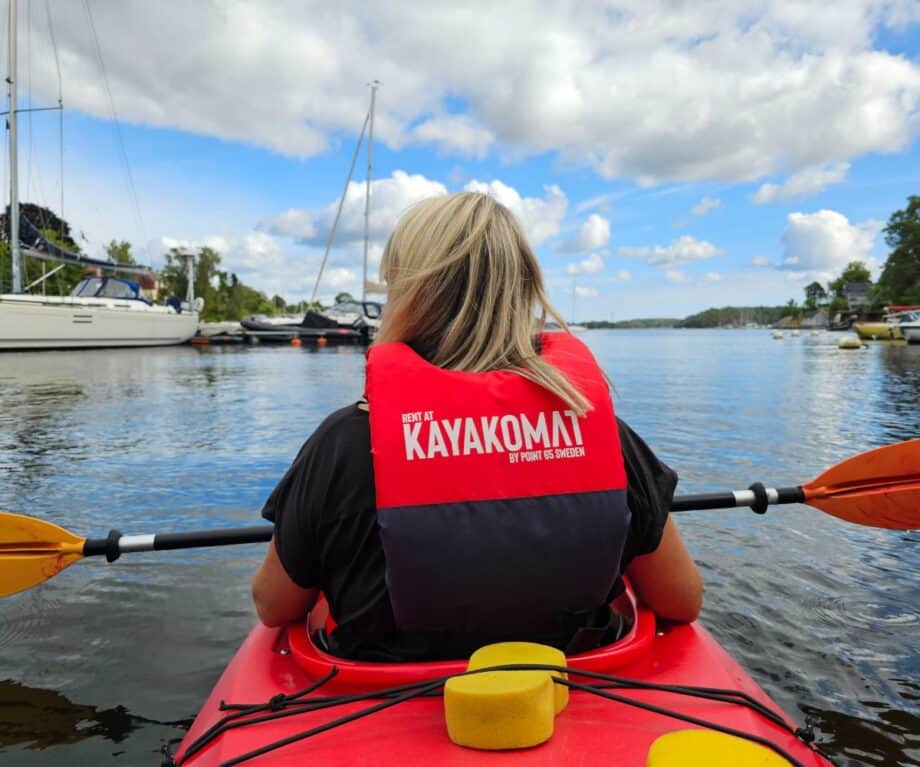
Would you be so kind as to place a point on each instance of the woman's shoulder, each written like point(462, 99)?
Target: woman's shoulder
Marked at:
point(345, 427)
point(336, 449)
point(342, 429)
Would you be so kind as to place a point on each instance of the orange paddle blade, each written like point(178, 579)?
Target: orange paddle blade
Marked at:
point(32, 551)
point(878, 488)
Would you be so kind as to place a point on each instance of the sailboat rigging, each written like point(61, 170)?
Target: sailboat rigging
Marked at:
point(101, 311)
point(367, 127)
point(348, 321)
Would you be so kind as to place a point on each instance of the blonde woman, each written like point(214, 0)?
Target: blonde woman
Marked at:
point(485, 491)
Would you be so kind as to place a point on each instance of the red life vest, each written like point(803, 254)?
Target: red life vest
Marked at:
point(502, 513)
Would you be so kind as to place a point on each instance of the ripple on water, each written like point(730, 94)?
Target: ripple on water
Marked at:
point(863, 613)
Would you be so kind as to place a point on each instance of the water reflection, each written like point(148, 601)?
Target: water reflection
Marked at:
point(39, 719)
point(890, 740)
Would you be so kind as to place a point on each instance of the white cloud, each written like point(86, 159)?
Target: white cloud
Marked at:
point(390, 198)
point(825, 241)
point(712, 277)
point(583, 292)
point(455, 133)
point(590, 265)
point(675, 276)
point(705, 205)
point(803, 184)
point(650, 90)
point(683, 250)
point(340, 277)
point(601, 202)
point(292, 223)
point(761, 261)
point(256, 257)
point(592, 234)
point(624, 275)
point(540, 216)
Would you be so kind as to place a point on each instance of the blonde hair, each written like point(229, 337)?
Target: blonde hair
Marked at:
point(464, 289)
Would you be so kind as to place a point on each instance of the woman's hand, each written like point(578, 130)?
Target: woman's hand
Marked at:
point(667, 580)
point(277, 598)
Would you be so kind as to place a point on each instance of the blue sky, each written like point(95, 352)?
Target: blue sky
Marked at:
point(662, 160)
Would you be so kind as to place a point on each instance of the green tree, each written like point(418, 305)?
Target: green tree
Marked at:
point(900, 279)
point(225, 297)
point(855, 271)
point(815, 295)
point(792, 310)
point(120, 252)
point(57, 231)
point(731, 315)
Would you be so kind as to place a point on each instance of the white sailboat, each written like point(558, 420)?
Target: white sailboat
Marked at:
point(101, 311)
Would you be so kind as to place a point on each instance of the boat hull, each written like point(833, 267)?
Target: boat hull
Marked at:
point(42, 322)
point(877, 331)
point(267, 331)
point(911, 333)
point(591, 731)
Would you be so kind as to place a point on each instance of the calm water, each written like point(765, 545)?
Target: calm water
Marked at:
point(106, 664)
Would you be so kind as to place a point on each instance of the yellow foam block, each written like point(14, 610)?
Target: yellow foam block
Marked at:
point(505, 709)
point(705, 748)
point(499, 709)
point(505, 653)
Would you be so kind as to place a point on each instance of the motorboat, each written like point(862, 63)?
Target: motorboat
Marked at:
point(909, 325)
point(345, 322)
point(889, 328)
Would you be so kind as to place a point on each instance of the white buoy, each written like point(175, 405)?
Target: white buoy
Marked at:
point(794, 334)
point(777, 334)
point(849, 342)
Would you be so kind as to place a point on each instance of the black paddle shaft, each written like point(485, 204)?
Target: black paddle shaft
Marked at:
point(116, 544)
point(756, 496)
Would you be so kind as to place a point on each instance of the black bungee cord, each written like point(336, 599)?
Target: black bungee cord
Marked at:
point(282, 706)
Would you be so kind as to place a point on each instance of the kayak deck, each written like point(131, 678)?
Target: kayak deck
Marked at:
point(592, 730)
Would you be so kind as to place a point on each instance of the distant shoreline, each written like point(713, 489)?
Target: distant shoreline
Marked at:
point(722, 317)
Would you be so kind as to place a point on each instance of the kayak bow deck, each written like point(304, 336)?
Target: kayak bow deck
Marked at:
point(597, 727)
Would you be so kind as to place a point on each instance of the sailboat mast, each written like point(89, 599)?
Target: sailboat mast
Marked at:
point(15, 256)
point(367, 190)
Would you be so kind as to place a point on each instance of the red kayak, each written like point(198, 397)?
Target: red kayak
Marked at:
point(283, 701)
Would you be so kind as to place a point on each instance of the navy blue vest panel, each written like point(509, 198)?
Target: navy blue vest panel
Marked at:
point(503, 569)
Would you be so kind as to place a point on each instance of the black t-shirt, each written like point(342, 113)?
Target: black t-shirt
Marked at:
point(326, 533)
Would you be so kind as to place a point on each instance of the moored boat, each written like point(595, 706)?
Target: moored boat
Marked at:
point(345, 322)
point(889, 328)
point(100, 311)
point(283, 700)
point(910, 328)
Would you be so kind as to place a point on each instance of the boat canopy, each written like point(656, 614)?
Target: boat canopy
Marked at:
point(109, 287)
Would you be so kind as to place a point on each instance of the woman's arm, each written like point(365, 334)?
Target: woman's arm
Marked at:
point(668, 580)
point(277, 598)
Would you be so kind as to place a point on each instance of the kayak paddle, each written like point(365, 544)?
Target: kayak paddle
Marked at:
point(878, 488)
